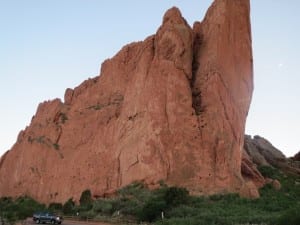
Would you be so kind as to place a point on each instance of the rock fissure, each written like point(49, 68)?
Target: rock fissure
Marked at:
point(227, 118)
point(134, 163)
point(119, 175)
point(194, 93)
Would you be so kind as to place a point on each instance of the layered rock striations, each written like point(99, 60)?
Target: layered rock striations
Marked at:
point(222, 89)
point(262, 153)
point(172, 108)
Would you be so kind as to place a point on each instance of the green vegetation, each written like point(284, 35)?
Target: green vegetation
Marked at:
point(68, 207)
point(18, 209)
point(86, 198)
point(63, 117)
point(43, 141)
point(56, 146)
point(86, 201)
point(55, 207)
point(291, 216)
point(137, 203)
point(268, 171)
point(40, 139)
point(178, 207)
point(96, 107)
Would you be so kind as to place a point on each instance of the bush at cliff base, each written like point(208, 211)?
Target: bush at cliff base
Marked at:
point(55, 207)
point(86, 198)
point(18, 209)
point(68, 207)
point(274, 207)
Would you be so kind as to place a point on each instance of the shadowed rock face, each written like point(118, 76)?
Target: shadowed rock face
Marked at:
point(262, 153)
point(251, 176)
point(296, 157)
point(172, 108)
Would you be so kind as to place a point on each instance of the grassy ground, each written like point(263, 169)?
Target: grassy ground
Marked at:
point(136, 203)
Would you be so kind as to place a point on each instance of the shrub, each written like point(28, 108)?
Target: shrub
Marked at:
point(54, 206)
point(175, 196)
point(134, 190)
point(10, 217)
point(63, 117)
point(128, 206)
point(85, 198)
point(183, 211)
point(268, 171)
point(152, 209)
point(5, 201)
point(18, 209)
point(56, 146)
point(103, 206)
point(87, 215)
point(68, 207)
point(26, 206)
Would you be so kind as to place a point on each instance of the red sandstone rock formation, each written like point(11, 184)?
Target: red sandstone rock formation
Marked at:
point(171, 107)
point(222, 89)
point(262, 153)
point(250, 172)
point(296, 157)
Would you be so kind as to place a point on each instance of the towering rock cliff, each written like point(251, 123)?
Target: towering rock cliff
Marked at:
point(222, 89)
point(172, 108)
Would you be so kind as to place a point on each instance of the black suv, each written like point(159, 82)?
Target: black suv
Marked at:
point(46, 217)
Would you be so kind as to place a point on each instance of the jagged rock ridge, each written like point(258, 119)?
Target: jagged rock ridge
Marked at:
point(262, 153)
point(171, 108)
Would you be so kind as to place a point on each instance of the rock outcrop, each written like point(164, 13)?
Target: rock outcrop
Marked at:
point(296, 157)
point(172, 108)
point(295, 161)
point(262, 153)
point(250, 172)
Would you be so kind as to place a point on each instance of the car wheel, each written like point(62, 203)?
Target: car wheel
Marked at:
point(37, 221)
point(52, 222)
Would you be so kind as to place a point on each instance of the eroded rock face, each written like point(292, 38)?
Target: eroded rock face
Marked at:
point(250, 172)
point(171, 108)
point(296, 157)
point(262, 153)
point(222, 88)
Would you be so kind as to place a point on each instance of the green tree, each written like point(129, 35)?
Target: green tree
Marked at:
point(152, 209)
point(175, 196)
point(68, 206)
point(86, 198)
point(54, 206)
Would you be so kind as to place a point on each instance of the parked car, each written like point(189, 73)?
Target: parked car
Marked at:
point(46, 217)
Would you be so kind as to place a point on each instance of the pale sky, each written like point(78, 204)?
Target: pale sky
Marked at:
point(48, 46)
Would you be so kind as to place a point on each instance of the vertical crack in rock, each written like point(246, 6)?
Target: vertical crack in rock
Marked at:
point(196, 93)
point(170, 76)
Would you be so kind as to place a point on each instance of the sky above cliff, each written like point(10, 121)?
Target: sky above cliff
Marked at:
point(48, 46)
